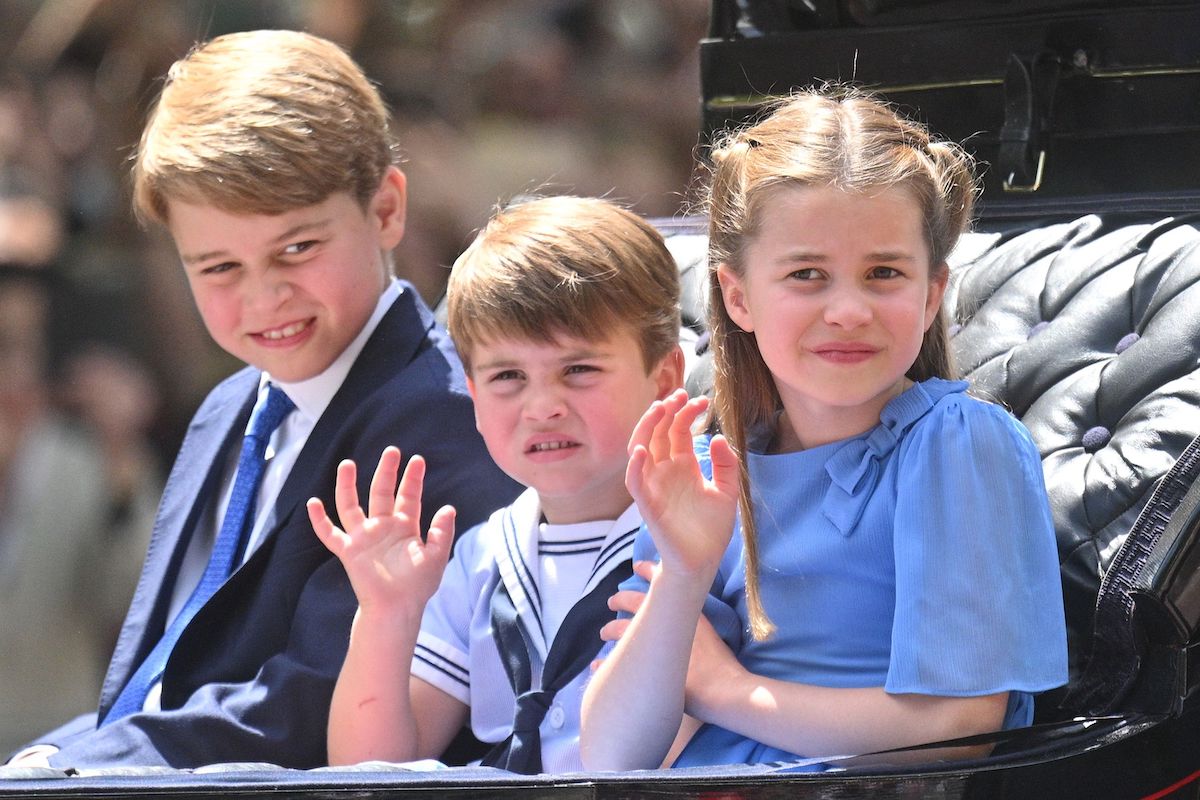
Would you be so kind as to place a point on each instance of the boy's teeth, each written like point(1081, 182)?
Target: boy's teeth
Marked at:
point(551, 446)
point(283, 333)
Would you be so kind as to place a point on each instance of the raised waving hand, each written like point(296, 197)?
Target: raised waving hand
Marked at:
point(689, 517)
point(389, 565)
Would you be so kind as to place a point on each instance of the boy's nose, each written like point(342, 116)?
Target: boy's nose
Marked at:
point(271, 290)
point(544, 404)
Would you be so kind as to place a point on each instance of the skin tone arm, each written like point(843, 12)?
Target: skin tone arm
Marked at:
point(691, 521)
point(379, 712)
point(814, 720)
point(817, 720)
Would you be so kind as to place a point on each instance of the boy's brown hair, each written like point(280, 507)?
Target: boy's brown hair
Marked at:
point(569, 266)
point(262, 122)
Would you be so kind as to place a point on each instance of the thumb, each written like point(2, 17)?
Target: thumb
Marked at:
point(725, 466)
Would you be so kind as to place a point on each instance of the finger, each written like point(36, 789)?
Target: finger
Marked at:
point(408, 497)
point(627, 600)
point(595, 665)
point(645, 427)
point(440, 540)
point(322, 525)
point(660, 438)
point(647, 570)
point(681, 426)
point(614, 630)
point(725, 467)
point(634, 475)
point(346, 495)
point(383, 483)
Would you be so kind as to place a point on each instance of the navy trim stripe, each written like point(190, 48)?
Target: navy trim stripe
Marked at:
point(442, 665)
point(614, 553)
point(524, 574)
point(596, 540)
point(560, 550)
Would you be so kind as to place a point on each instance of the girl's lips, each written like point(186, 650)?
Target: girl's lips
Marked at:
point(845, 353)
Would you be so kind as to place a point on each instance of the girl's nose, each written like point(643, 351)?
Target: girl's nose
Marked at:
point(847, 308)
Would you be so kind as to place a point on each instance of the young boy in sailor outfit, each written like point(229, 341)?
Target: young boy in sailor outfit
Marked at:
point(565, 312)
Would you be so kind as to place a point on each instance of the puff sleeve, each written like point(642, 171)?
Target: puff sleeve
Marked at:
point(978, 594)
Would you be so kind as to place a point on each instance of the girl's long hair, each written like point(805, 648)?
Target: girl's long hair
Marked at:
point(839, 137)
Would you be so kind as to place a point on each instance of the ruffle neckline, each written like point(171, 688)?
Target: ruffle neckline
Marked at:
point(853, 465)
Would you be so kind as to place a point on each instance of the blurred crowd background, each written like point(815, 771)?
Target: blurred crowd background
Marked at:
point(102, 356)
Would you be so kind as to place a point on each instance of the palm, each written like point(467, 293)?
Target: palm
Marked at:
point(689, 517)
point(381, 549)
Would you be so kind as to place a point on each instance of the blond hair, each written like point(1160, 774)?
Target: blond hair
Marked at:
point(837, 137)
point(569, 266)
point(262, 122)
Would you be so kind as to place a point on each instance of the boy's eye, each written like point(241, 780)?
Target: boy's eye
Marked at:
point(581, 369)
point(299, 248)
point(505, 375)
point(217, 269)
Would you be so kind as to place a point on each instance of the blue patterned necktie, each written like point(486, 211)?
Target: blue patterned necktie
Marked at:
point(227, 548)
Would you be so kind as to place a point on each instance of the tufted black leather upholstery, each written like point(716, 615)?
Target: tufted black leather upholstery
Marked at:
point(1088, 329)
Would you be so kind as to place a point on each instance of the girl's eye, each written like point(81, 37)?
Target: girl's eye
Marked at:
point(885, 272)
point(805, 274)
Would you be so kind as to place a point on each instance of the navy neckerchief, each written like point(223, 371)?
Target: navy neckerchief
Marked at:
point(575, 645)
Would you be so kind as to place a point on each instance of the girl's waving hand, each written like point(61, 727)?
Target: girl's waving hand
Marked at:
point(690, 518)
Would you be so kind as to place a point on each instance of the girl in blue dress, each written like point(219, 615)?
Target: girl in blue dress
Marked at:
point(896, 578)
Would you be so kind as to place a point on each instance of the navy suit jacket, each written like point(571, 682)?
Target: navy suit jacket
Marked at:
point(252, 674)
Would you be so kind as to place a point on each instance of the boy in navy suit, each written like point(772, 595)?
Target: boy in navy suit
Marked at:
point(269, 159)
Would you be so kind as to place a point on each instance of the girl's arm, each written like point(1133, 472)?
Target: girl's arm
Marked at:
point(375, 714)
point(821, 721)
point(690, 520)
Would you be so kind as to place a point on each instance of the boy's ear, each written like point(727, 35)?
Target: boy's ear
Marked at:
point(669, 373)
point(389, 207)
point(734, 295)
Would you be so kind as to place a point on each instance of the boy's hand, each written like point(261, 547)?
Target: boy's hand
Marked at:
point(690, 518)
point(390, 567)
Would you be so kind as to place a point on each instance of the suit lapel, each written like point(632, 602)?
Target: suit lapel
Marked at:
point(189, 487)
point(392, 345)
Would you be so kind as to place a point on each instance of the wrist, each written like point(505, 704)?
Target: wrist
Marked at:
point(384, 622)
point(728, 688)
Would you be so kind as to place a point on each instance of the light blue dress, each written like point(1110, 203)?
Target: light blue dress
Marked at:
point(919, 556)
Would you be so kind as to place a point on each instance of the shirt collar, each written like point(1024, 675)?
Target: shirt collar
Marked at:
point(314, 394)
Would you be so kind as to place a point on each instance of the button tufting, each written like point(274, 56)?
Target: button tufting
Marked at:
point(1036, 329)
point(1095, 438)
point(1126, 341)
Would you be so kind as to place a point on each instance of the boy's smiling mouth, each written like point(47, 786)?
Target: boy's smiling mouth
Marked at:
point(285, 332)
